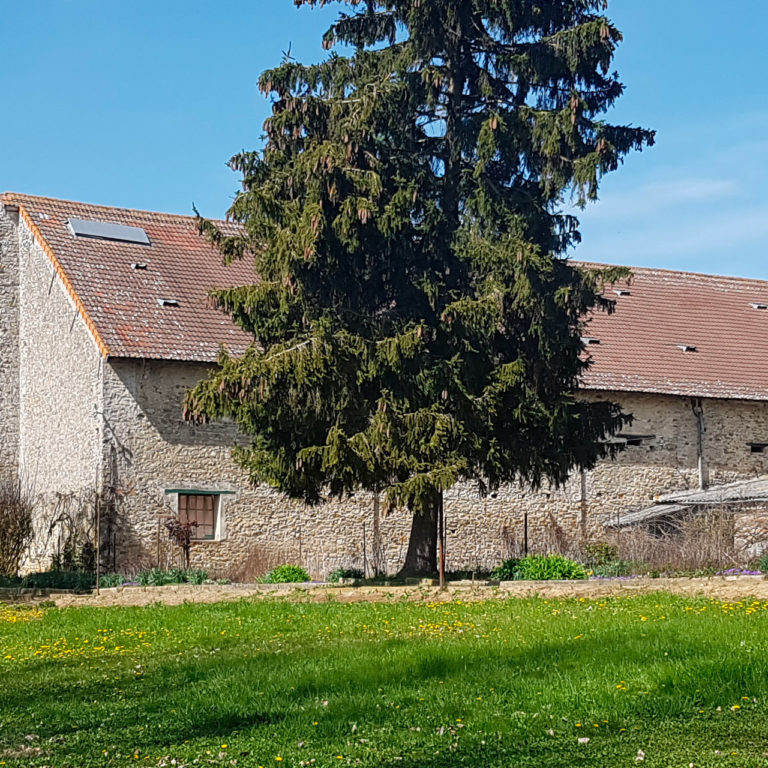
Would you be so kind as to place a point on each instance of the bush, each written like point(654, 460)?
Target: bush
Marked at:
point(157, 577)
point(619, 568)
point(111, 580)
point(599, 553)
point(548, 568)
point(16, 508)
point(286, 574)
point(506, 571)
point(344, 573)
point(196, 576)
point(60, 580)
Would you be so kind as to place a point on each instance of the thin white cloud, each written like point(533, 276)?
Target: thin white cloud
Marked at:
point(658, 196)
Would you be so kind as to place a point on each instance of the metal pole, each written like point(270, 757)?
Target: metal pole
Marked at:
point(441, 537)
point(525, 534)
point(365, 558)
point(98, 544)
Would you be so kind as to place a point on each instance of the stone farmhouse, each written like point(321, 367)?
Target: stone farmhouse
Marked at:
point(104, 325)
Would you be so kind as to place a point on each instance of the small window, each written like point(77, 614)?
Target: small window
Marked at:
point(757, 447)
point(202, 508)
point(633, 441)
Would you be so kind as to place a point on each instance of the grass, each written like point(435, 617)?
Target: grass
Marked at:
point(275, 684)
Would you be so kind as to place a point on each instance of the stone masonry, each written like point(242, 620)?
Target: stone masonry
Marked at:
point(9, 347)
point(76, 422)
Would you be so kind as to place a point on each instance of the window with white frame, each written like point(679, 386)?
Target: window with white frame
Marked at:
point(203, 509)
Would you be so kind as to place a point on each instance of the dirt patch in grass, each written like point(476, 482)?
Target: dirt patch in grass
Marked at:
point(715, 587)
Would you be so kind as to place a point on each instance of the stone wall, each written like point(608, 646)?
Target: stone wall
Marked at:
point(60, 371)
point(153, 451)
point(9, 342)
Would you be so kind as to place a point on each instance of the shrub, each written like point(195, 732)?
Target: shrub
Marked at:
point(762, 563)
point(76, 580)
point(619, 568)
point(344, 573)
point(157, 577)
point(111, 580)
point(286, 574)
point(16, 508)
point(599, 553)
point(196, 576)
point(548, 568)
point(506, 571)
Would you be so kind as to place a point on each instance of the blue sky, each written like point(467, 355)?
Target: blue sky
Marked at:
point(140, 104)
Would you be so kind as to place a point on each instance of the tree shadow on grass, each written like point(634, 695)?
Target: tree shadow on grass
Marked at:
point(265, 694)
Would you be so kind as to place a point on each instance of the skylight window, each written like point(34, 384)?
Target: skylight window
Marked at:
point(104, 230)
point(168, 302)
point(139, 265)
point(688, 347)
point(589, 340)
point(623, 292)
point(756, 305)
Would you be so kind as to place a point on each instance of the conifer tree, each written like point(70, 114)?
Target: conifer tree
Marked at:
point(416, 321)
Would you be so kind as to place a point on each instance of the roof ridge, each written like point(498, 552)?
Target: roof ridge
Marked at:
point(17, 197)
point(681, 272)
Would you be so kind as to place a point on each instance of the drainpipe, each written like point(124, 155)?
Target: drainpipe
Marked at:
point(698, 410)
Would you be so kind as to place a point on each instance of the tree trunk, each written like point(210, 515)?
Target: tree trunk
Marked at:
point(421, 558)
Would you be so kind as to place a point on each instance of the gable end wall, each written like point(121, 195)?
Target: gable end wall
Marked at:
point(60, 391)
point(9, 342)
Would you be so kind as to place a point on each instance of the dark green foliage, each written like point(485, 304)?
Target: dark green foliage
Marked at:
point(506, 571)
point(344, 573)
point(287, 574)
point(547, 568)
point(107, 580)
point(77, 580)
point(157, 577)
point(597, 553)
point(416, 322)
point(614, 568)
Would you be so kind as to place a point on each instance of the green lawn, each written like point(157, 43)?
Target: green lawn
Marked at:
point(275, 684)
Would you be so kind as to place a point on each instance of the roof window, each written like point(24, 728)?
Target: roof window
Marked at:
point(139, 265)
point(756, 305)
point(168, 302)
point(104, 230)
point(623, 292)
point(688, 347)
point(589, 340)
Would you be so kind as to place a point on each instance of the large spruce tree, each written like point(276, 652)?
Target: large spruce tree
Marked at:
point(415, 320)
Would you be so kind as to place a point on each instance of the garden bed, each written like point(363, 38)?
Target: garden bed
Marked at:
point(723, 587)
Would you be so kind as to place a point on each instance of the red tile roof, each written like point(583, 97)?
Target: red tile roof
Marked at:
point(638, 350)
point(120, 304)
